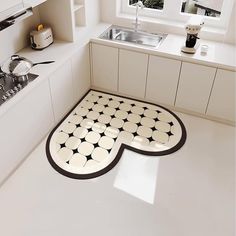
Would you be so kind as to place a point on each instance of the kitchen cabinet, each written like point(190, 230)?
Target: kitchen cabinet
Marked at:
point(33, 3)
point(132, 73)
point(194, 88)
point(5, 5)
point(162, 80)
point(222, 100)
point(23, 127)
point(62, 90)
point(81, 72)
point(104, 67)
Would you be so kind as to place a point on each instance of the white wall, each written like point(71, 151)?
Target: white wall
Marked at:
point(231, 34)
point(16, 37)
point(92, 12)
point(108, 14)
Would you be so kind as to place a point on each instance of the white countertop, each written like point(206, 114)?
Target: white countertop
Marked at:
point(219, 55)
point(187, 193)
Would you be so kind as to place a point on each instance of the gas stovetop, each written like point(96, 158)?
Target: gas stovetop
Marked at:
point(9, 87)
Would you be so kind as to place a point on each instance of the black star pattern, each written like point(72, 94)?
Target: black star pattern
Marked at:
point(95, 145)
point(78, 125)
point(169, 133)
point(156, 119)
point(90, 109)
point(135, 134)
point(112, 116)
point(171, 123)
point(153, 129)
point(90, 129)
point(75, 151)
point(109, 150)
point(129, 112)
point(89, 157)
point(121, 129)
point(106, 105)
point(150, 139)
point(125, 120)
point(142, 115)
point(83, 140)
point(95, 103)
point(63, 145)
point(71, 135)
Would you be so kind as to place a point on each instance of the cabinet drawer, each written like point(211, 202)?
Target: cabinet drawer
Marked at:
point(194, 87)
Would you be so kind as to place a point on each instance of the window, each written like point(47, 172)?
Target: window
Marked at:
point(216, 13)
point(153, 4)
point(210, 8)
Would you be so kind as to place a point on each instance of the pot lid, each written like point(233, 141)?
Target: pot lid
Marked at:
point(17, 66)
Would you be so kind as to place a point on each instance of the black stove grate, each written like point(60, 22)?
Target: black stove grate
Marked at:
point(9, 88)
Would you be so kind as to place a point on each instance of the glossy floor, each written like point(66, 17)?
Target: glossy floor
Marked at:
point(188, 193)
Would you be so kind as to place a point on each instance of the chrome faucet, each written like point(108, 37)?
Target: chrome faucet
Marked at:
point(138, 5)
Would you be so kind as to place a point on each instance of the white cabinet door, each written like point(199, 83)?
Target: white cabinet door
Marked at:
point(6, 4)
point(132, 73)
point(33, 3)
point(105, 67)
point(162, 81)
point(62, 91)
point(222, 100)
point(81, 72)
point(23, 127)
point(194, 87)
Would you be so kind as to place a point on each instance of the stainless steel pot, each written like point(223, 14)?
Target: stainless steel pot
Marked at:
point(18, 66)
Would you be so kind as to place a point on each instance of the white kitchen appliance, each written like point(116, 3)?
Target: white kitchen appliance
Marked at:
point(41, 38)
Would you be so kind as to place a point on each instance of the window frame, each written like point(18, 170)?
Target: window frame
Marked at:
point(170, 14)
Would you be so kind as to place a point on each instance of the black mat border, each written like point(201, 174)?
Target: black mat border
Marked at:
point(122, 147)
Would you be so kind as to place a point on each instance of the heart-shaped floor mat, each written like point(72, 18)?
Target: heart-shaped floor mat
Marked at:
point(90, 140)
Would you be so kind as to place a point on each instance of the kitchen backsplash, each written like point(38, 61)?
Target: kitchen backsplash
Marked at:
point(17, 36)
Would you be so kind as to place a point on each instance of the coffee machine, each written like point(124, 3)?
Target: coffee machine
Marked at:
point(192, 28)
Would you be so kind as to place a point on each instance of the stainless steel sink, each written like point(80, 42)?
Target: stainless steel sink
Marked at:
point(116, 33)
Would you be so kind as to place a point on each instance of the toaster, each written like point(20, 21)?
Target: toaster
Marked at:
point(41, 38)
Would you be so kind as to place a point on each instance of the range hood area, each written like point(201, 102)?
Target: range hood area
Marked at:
point(14, 15)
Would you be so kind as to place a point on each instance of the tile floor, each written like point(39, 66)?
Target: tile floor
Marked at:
point(188, 193)
point(89, 139)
